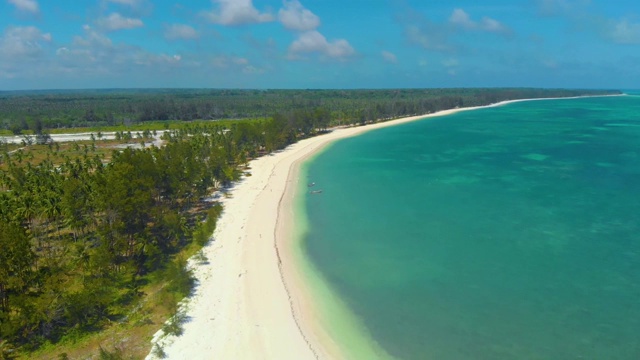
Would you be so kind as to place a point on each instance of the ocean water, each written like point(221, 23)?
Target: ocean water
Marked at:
point(501, 233)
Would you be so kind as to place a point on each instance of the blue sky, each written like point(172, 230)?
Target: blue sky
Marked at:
point(319, 43)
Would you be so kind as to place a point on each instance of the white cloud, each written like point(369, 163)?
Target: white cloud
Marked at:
point(132, 3)
point(625, 32)
point(28, 54)
point(224, 61)
point(61, 51)
point(135, 8)
point(115, 21)
point(149, 59)
point(23, 42)
point(92, 39)
point(89, 49)
point(240, 61)
point(95, 54)
point(236, 12)
point(250, 69)
point(294, 16)
point(491, 25)
point(314, 42)
point(555, 7)
point(389, 57)
point(449, 63)
point(220, 62)
point(459, 18)
point(237, 64)
point(549, 63)
point(30, 6)
point(180, 32)
point(23, 50)
point(429, 36)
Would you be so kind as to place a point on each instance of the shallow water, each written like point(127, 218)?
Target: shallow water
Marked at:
point(501, 233)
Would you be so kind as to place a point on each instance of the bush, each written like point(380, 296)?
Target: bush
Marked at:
point(180, 278)
point(203, 231)
point(174, 325)
point(107, 355)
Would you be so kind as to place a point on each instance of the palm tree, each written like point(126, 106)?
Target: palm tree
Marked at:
point(25, 209)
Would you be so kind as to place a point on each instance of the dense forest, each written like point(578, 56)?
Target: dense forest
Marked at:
point(80, 235)
point(64, 109)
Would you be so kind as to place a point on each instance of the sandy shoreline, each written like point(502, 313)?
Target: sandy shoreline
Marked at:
point(253, 298)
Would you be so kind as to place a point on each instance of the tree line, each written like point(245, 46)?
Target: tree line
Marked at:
point(78, 238)
point(20, 110)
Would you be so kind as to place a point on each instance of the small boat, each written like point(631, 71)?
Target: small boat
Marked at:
point(316, 192)
point(311, 184)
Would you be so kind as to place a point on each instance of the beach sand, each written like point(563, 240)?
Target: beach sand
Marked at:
point(253, 299)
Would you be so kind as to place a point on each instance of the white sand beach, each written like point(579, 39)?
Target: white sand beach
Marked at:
point(250, 302)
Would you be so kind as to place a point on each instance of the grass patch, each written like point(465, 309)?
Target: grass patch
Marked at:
point(58, 153)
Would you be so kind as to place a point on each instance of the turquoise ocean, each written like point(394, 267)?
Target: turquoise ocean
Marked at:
point(510, 232)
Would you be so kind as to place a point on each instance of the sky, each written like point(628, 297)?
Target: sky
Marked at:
point(76, 44)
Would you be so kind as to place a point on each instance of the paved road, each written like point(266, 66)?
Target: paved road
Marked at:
point(74, 137)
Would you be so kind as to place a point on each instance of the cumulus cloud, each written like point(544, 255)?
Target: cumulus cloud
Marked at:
point(313, 42)
point(441, 36)
point(23, 42)
point(460, 18)
point(22, 49)
point(451, 62)
point(148, 59)
point(115, 22)
point(389, 57)
point(451, 65)
point(131, 3)
point(556, 7)
point(549, 63)
point(625, 32)
point(28, 54)
point(429, 36)
point(135, 8)
point(180, 32)
point(92, 47)
point(95, 53)
point(224, 61)
point(238, 64)
point(294, 16)
point(236, 12)
point(29, 6)
point(619, 31)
